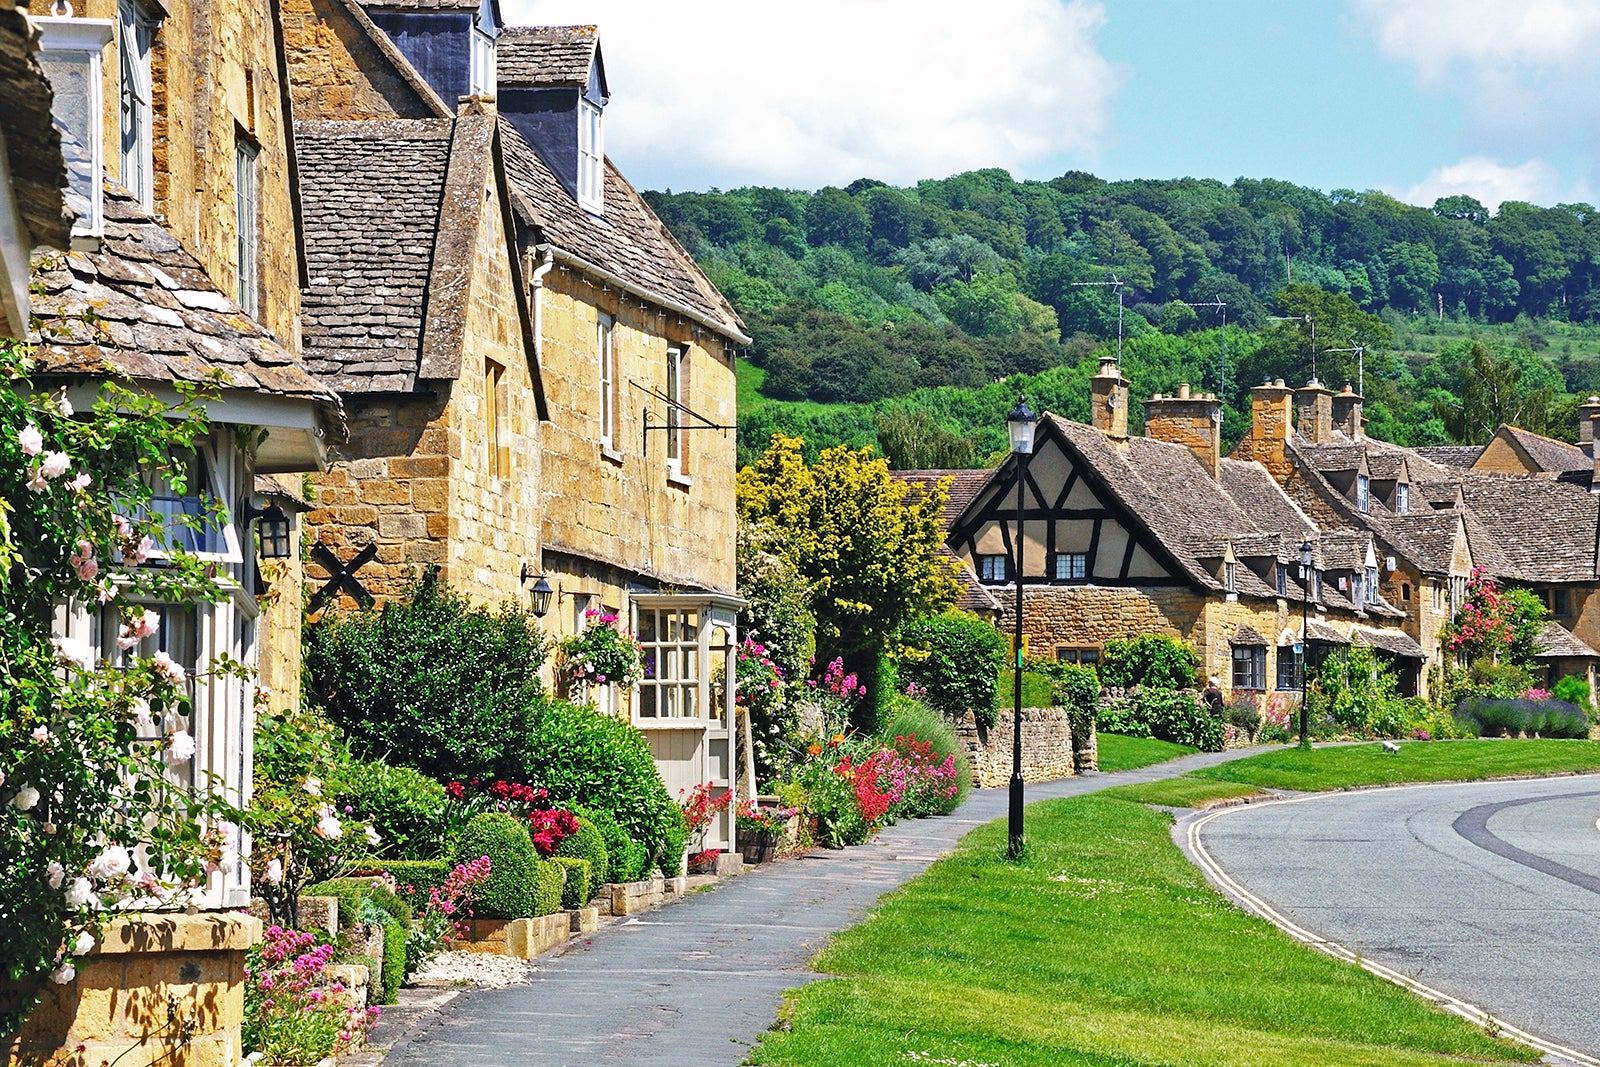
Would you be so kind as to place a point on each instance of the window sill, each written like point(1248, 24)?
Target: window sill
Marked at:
point(611, 455)
point(672, 724)
point(681, 481)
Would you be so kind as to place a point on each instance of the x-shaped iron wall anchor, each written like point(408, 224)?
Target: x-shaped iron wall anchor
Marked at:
point(341, 575)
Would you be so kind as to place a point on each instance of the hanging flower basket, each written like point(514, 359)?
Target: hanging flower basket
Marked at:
point(602, 655)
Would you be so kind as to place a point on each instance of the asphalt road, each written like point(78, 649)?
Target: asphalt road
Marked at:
point(695, 983)
point(1488, 893)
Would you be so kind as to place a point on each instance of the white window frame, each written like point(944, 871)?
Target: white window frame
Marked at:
point(675, 658)
point(675, 434)
point(1363, 492)
point(481, 75)
point(1372, 585)
point(1230, 577)
point(222, 540)
point(1402, 498)
point(247, 222)
point(605, 343)
point(1071, 566)
point(136, 32)
point(591, 157)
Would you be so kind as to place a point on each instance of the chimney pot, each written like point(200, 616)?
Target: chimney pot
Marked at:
point(1183, 391)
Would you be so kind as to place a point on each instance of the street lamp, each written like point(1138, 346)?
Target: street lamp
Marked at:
point(1020, 424)
point(1305, 637)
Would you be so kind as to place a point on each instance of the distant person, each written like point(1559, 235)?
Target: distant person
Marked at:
point(1213, 696)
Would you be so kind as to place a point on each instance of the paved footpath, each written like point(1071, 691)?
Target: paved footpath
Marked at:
point(695, 983)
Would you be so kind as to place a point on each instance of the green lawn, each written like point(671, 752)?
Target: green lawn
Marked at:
point(1348, 766)
point(1105, 947)
point(1119, 753)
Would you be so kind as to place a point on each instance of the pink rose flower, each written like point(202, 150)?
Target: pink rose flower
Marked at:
point(30, 440)
point(55, 464)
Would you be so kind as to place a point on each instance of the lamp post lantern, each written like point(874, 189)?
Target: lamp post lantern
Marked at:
point(1020, 424)
point(1305, 637)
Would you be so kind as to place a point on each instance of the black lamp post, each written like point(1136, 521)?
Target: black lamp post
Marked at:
point(1020, 424)
point(1305, 638)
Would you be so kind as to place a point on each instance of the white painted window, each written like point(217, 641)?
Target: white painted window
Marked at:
point(1071, 566)
point(188, 498)
point(136, 33)
point(670, 638)
point(247, 220)
point(992, 568)
point(1372, 585)
point(591, 158)
point(481, 62)
point(675, 396)
point(1363, 492)
point(608, 384)
point(1230, 577)
point(1402, 498)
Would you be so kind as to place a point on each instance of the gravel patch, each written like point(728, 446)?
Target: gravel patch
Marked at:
point(481, 969)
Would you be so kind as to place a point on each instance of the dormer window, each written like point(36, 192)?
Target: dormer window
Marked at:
point(136, 35)
point(481, 75)
point(591, 158)
point(1363, 492)
point(1402, 498)
point(1283, 581)
point(1230, 576)
point(1372, 585)
point(69, 54)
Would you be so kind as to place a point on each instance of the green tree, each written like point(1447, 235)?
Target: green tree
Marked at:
point(1492, 389)
point(914, 440)
point(867, 544)
point(834, 217)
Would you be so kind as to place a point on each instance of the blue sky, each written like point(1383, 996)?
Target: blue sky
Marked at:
point(1419, 98)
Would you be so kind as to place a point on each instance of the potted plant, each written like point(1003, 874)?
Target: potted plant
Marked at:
point(602, 655)
point(762, 830)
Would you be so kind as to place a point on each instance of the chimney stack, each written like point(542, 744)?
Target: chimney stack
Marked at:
point(1347, 412)
point(1586, 413)
point(1316, 412)
point(1194, 421)
point(1108, 399)
point(1271, 423)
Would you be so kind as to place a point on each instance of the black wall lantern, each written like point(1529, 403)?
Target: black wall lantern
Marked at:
point(272, 528)
point(541, 592)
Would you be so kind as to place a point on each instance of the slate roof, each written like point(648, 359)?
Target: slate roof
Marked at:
point(33, 145)
point(372, 193)
point(974, 595)
point(546, 56)
point(1547, 454)
point(157, 315)
point(1450, 455)
point(627, 241)
point(1394, 642)
point(964, 485)
point(1247, 635)
point(470, 6)
point(1557, 642)
point(1321, 631)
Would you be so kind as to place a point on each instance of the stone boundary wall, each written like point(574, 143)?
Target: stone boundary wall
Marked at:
point(1048, 749)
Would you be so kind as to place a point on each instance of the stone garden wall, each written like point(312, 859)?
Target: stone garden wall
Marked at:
point(1047, 747)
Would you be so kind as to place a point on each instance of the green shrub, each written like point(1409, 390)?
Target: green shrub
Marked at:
point(1121, 716)
point(1244, 716)
point(956, 657)
point(617, 843)
point(405, 806)
point(1573, 690)
point(599, 761)
point(910, 717)
point(635, 863)
point(511, 891)
point(1357, 690)
point(578, 888)
point(353, 892)
point(430, 681)
point(1544, 718)
point(587, 844)
point(1153, 660)
point(413, 877)
point(1181, 719)
point(393, 970)
point(1077, 688)
point(549, 879)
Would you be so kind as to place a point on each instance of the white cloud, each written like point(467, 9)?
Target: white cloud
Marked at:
point(1488, 182)
point(1435, 34)
point(726, 92)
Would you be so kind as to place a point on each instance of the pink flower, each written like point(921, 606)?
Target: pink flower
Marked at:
point(105, 592)
point(168, 668)
point(54, 464)
point(142, 552)
point(180, 746)
point(83, 561)
point(124, 527)
point(36, 482)
point(30, 440)
point(81, 482)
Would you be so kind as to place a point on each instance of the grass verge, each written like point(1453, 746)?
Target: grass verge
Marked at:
point(1119, 753)
point(1104, 947)
point(1183, 792)
point(1349, 766)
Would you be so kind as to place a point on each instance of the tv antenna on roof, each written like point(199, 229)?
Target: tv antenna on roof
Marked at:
point(1118, 283)
point(1222, 374)
point(1361, 365)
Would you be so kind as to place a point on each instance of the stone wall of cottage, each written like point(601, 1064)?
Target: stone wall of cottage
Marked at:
point(418, 475)
point(1500, 457)
point(611, 516)
point(214, 71)
point(335, 69)
point(1047, 747)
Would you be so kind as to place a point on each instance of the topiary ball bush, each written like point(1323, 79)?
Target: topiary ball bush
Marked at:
point(617, 844)
point(598, 761)
point(579, 887)
point(406, 807)
point(587, 843)
point(511, 891)
point(549, 878)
